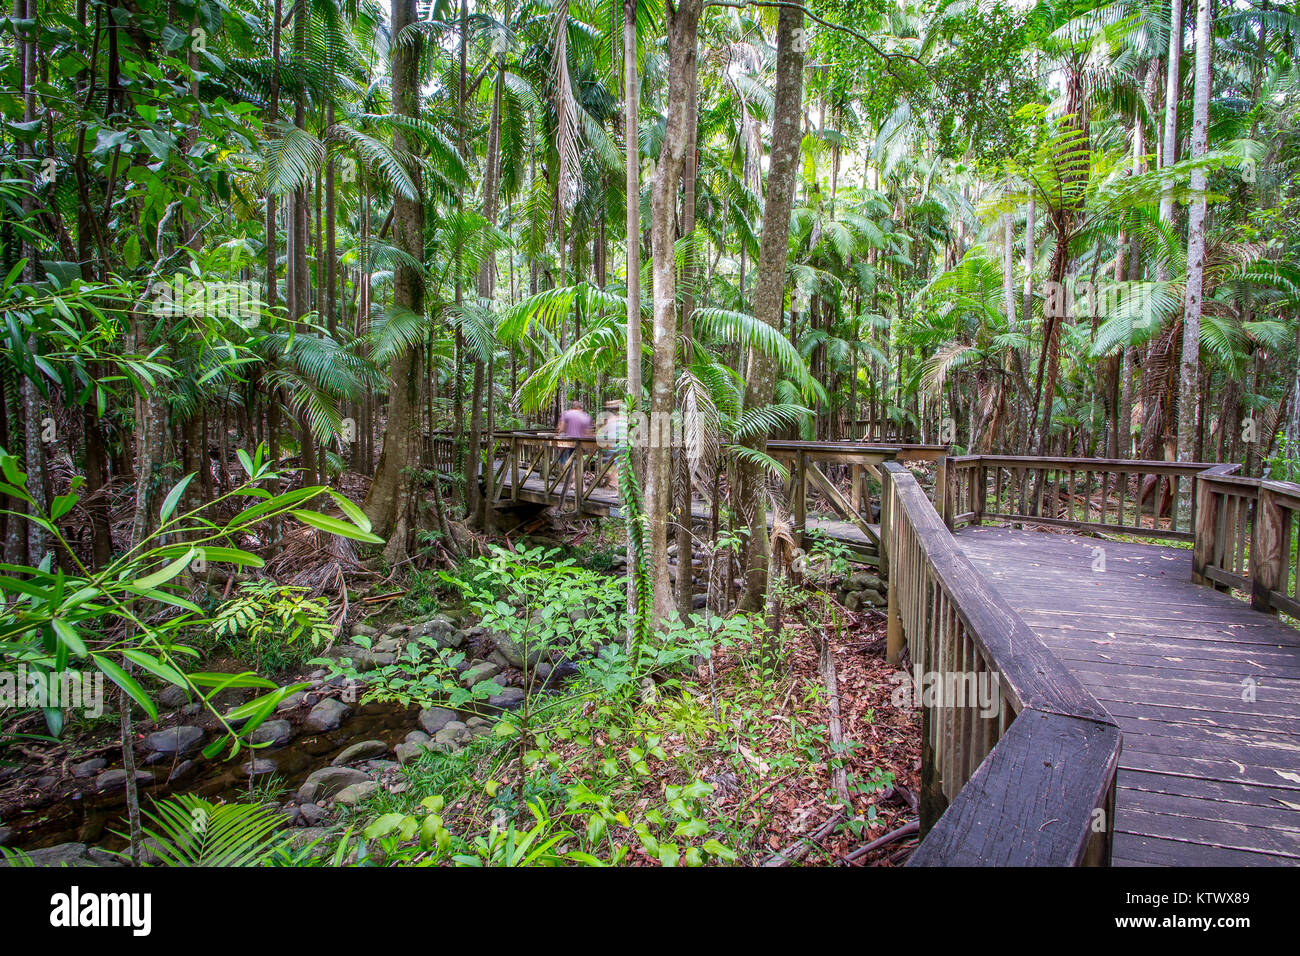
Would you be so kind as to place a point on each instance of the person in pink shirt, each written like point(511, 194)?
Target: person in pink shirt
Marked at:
point(573, 423)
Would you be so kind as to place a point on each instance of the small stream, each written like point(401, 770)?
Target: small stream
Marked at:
point(82, 815)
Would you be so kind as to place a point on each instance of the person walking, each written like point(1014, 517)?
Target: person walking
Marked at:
point(573, 423)
point(612, 439)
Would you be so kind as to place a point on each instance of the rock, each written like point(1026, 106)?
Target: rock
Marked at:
point(290, 702)
point(362, 659)
point(433, 719)
point(419, 736)
point(305, 837)
point(364, 750)
point(874, 598)
point(364, 630)
point(853, 601)
point(311, 814)
point(441, 629)
point(181, 771)
point(499, 659)
point(70, 854)
point(862, 581)
point(192, 710)
point(173, 696)
point(277, 733)
point(513, 651)
point(397, 631)
point(508, 699)
point(317, 674)
point(408, 753)
point(389, 645)
point(258, 766)
point(699, 601)
point(351, 796)
point(325, 716)
point(479, 727)
point(112, 779)
point(174, 740)
point(382, 766)
point(328, 781)
point(5, 835)
point(88, 768)
point(453, 736)
point(478, 673)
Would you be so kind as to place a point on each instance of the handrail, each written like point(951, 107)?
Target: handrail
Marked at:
point(1244, 538)
point(1127, 496)
point(1026, 779)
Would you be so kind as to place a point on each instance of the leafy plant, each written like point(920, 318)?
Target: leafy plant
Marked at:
point(271, 619)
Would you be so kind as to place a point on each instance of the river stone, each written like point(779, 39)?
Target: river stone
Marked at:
point(873, 598)
point(862, 581)
point(308, 835)
point(362, 659)
point(389, 645)
point(181, 771)
point(853, 601)
point(408, 753)
point(290, 702)
point(433, 719)
point(454, 734)
point(479, 727)
point(88, 768)
point(364, 750)
point(364, 630)
point(112, 779)
point(513, 651)
point(311, 814)
point(351, 796)
point(325, 716)
point(478, 673)
point(508, 699)
point(5, 834)
point(173, 696)
point(328, 781)
point(499, 659)
point(70, 854)
point(419, 736)
point(174, 740)
point(257, 766)
point(277, 733)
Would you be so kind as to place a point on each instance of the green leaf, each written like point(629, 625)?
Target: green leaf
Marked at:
point(334, 526)
point(173, 497)
point(128, 683)
point(68, 635)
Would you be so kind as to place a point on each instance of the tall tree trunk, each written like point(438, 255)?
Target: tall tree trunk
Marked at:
point(388, 503)
point(685, 597)
point(769, 283)
point(682, 28)
point(1188, 374)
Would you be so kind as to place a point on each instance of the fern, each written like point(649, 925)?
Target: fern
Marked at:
point(638, 561)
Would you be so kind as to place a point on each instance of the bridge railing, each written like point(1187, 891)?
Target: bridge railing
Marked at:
point(1025, 773)
point(1127, 496)
point(1246, 538)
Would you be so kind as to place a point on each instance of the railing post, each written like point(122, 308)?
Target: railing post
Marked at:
point(979, 492)
point(800, 503)
point(943, 491)
point(1268, 549)
point(1207, 508)
point(893, 622)
point(579, 472)
point(514, 467)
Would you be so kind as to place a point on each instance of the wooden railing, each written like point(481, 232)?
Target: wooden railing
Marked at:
point(1134, 497)
point(556, 467)
point(1025, 774)
point(1246, 538)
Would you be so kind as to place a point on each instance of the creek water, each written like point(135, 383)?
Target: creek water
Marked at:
point(78, 813)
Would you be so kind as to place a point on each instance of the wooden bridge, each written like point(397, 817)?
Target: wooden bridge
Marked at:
point(1091, 693)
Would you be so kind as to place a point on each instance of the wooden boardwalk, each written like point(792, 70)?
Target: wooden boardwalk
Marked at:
point(1205, 690)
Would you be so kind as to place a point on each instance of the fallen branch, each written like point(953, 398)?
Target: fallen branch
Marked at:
point(838, 775)
point(799, 849)
point(906, 829)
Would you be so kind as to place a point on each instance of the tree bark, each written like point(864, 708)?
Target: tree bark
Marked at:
point(769, 284)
